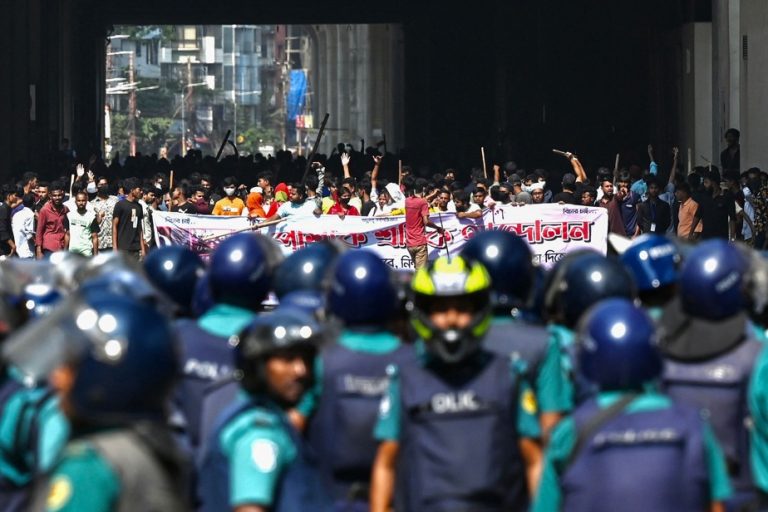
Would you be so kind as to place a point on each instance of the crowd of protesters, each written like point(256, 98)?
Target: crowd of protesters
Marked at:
point(38, 217)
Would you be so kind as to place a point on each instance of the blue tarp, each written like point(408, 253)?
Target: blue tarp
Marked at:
point(296, 94)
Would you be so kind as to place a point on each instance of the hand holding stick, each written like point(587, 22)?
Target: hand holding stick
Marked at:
point(485, 168)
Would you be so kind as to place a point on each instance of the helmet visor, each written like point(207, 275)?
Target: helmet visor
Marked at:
point(63, 336)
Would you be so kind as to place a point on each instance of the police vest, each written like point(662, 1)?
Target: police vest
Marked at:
point(341, 430)
point(637, 462)
point(14, 495)
point(519, 341)
point(718, 387)
point(147, 464)
point(219, 396)
point(301, 486)
point(205, 358)
point(458, 438)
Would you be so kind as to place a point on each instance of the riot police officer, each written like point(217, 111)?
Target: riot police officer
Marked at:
point(629, 448)
point(240, 277)
point(508, 260)
point(578, 281)
point(449, 424)
point(351, 375)
point(255, 458)
point(114, 361)
point(710, 348)
point(32, 429)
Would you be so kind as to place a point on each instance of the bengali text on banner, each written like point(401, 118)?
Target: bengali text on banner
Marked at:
point(552, 230)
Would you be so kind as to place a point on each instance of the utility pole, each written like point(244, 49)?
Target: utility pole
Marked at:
point(132, 104)
point(234, 88)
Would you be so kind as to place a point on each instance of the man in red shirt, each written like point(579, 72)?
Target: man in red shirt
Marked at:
point(342, 208)
point(52, 224)
point(610, 202)
point(417, 220)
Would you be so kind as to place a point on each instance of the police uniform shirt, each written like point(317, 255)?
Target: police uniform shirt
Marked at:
point(549, 496)
point(258, 449)
point(225, 320)
point(757, 398)
point(562, 338)
point(388, 425)
point(25, 407)
point(82, 482)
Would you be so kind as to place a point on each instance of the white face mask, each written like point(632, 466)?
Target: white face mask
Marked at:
point(91, 188)
point(229, 191)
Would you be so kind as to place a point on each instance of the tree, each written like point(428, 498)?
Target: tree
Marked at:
point(151, 134)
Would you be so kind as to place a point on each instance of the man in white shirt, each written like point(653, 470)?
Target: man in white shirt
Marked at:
point(23, 227)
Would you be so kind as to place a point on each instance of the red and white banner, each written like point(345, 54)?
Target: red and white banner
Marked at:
point(552, 230)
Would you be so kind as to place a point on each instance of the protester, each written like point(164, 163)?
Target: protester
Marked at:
point(127, 217)
point(417, 221)
point(83, 228)
point(52, 225)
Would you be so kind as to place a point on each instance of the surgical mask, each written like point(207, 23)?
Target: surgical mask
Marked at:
point(229, 191)
point(91, 188)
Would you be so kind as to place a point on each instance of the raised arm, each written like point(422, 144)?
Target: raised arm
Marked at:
point(652, 166)
point(345, 159)
point(673, 170)
point(578, 169)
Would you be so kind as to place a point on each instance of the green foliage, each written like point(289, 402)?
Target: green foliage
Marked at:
point(256, 136)
point(156, 102)
point(151, 134)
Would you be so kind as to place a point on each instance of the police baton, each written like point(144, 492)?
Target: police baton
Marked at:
point(311, 155)
point(223, 144)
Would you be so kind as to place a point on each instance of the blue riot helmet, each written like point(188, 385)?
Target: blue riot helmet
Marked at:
point(202, 297)
point(123, 353)
point(241, 270)
point(131, 283)
point(508, 259)
point(305, 269)
point(617, 346)
point(39, 299)
point(654, 262)
point(34, 285)
point(311, 302)
point(362, 290)
point(582, 279)
point(174, 270)
point(712, 281)
point(287, 332)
